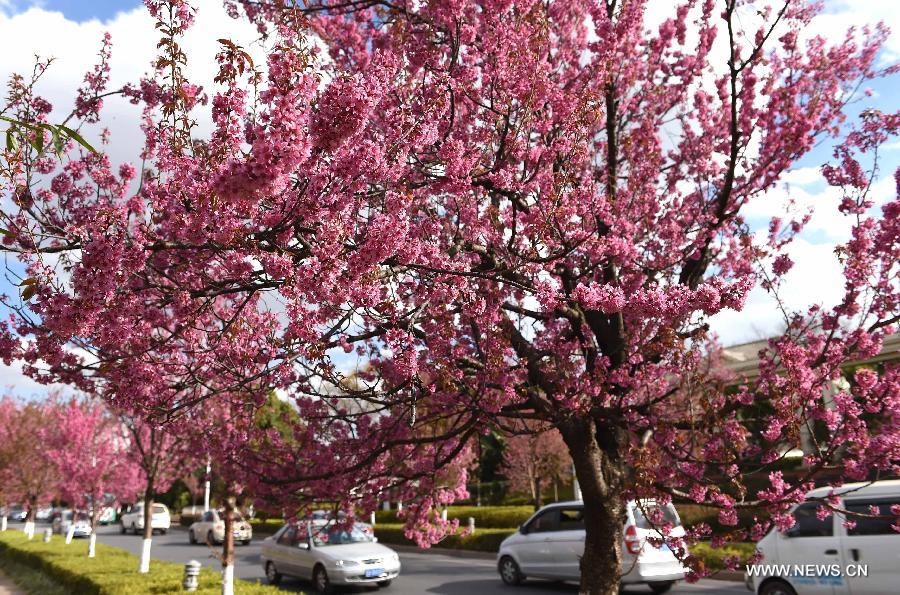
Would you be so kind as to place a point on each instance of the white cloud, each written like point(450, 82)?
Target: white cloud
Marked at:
point(816, 278)
point(74, 47)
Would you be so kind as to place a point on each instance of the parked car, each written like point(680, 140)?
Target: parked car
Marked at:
point(865, 554)
point(133, 520)
point(211, 528)
point(550, 545)
point(17, 514)
point(43, 514)
point(107, 515)
point(328, 554)
point(79, 522)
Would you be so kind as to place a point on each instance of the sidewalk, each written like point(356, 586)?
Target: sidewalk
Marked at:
point(7, 587)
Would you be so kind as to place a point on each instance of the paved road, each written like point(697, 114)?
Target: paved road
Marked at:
point(422, 573)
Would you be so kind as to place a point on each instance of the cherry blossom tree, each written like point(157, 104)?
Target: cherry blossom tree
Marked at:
point(161, 454)
point(91, 450)
point(506, 210)
point(30, 477)
point(532, 459)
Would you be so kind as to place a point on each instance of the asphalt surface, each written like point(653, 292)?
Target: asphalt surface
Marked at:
point(432, 573)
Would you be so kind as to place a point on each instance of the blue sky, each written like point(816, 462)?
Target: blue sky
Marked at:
point(71, 31)
point(77, 10)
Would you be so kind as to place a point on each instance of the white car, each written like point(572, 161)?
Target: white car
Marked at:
point(80, 524)
point(328, 554)
point(550, 545)
point(133, 520)
point(211, 528)
point(860, 560)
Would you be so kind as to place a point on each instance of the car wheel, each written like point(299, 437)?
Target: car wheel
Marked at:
point(272, 575)
point(383, 584)
point(209, 538)
point(777, 587)
point(134, 528)
point(122, 528)
point(191, 538)
point(510, 572)
point(662, 587)
point(246, 542)
point(320, 580)
point(163, 531)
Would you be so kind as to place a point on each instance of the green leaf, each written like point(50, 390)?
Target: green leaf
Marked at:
point(7, 233)
point(12, 143)
point(78, 138)
point(29, 292)
point(58, 144)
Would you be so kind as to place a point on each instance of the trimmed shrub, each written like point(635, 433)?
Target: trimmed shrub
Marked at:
point(483, 540)
point(487, 517)
point(112, 572)
point(262, 528)
point(712, 557)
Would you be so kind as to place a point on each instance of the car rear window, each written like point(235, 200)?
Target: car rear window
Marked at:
point(159, 509)
point(658, 516)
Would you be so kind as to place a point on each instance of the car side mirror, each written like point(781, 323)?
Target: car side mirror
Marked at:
point(303, 545)
point(792, 532)
point(523, 529)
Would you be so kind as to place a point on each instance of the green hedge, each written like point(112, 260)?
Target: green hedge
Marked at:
point(483, 540)
point(265, 527)
point(112, 572)
point(712, 557)
point(488, 517)
point(692, 514)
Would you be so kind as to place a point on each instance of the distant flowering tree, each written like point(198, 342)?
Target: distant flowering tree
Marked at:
point(29, 476)
point(506, 210)
point(160, 455)
point(534, 459)
point(91, 450)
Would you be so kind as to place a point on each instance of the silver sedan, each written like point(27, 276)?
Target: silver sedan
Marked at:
point(328, 554)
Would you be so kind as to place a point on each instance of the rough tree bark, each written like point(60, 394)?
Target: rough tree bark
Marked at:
point(595, 449)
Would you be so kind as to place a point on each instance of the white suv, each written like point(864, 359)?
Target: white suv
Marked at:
point(133, 520)
point(550, 545)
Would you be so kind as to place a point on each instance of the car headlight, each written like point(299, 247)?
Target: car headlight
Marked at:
point(395, 557)
point(346, 563)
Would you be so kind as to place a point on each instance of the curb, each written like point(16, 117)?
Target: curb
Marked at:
point(441, 551)
point(723, 575)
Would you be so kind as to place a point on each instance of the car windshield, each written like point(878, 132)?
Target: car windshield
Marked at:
point(237, 517)
point(82, 516)
point(658, 516)
point(323, 536)
point(159, 509)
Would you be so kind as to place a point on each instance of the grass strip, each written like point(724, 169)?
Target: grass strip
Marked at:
point(112, 572)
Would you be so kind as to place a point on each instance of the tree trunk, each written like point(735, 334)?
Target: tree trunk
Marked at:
point(595, 450)
point(228, 547)
point(29, 519)
point(148, 531)
point(95, 518)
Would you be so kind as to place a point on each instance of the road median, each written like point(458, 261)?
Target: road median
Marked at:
point(112, 572)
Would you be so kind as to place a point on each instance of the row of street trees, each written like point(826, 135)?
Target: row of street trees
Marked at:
point(510, 210)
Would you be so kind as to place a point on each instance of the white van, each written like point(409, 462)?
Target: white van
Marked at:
point(823, 557)
point(550, 545)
